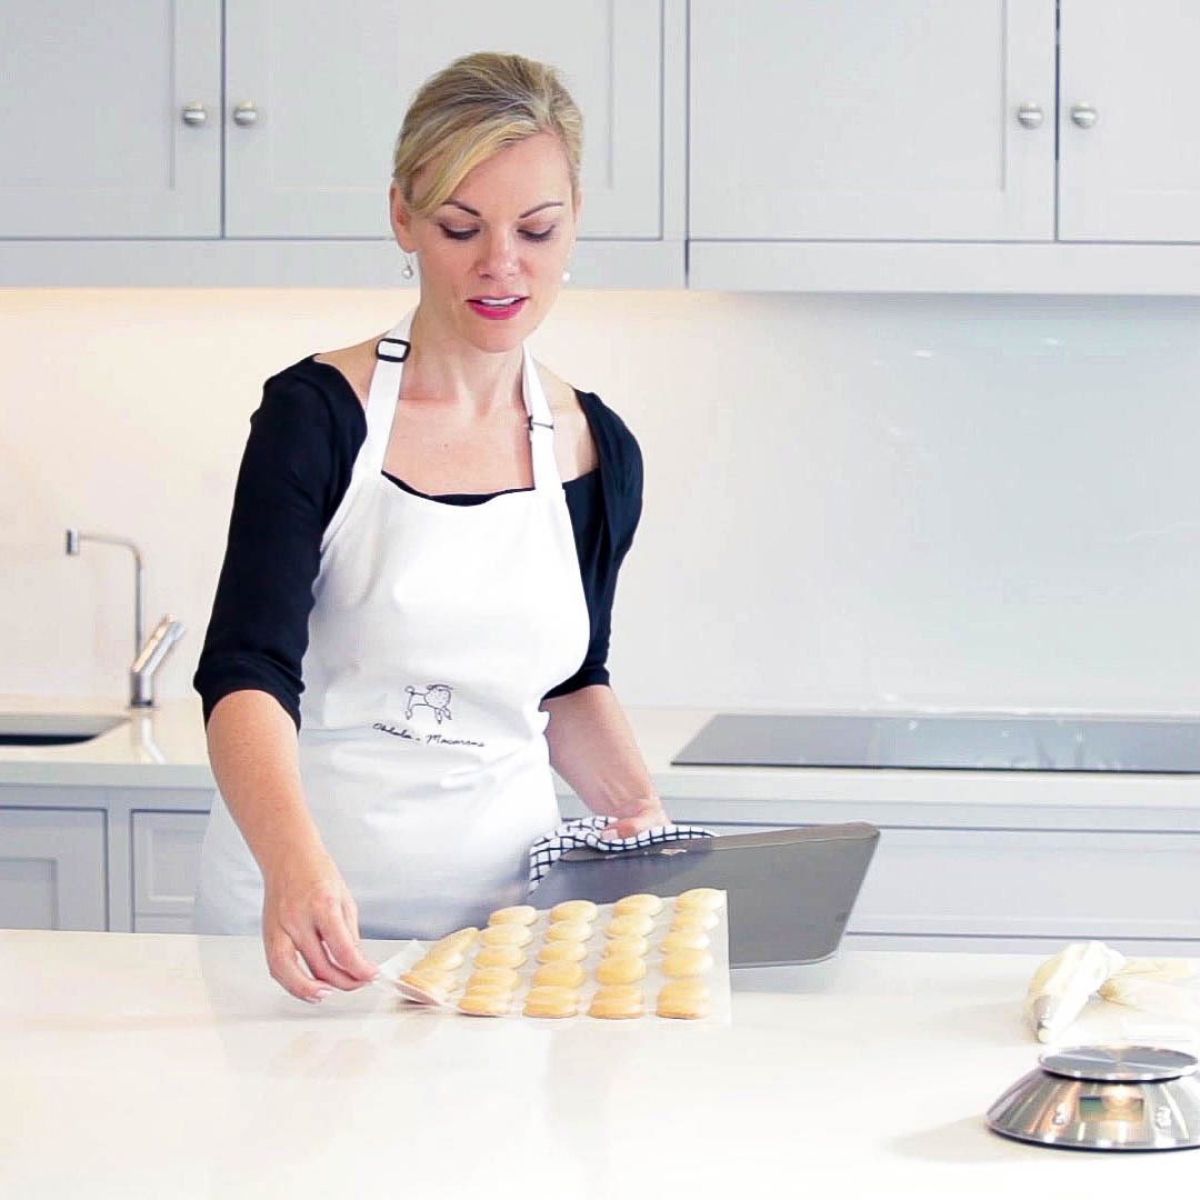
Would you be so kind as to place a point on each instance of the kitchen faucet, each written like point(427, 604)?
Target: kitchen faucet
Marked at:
point(148, 656)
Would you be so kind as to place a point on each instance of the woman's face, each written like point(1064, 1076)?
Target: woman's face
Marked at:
point(507, 231)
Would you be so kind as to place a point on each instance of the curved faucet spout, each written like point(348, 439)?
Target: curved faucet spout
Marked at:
point(152, 655)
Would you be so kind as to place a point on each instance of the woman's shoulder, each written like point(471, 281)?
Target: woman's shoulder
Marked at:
point(329, 376)
point(355, 364)
point(615, 442)
point(309, 407)
point(604, 421)
point(323, 388)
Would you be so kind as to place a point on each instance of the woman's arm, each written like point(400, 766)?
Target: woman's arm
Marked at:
point(307, 910)
point(593, 748)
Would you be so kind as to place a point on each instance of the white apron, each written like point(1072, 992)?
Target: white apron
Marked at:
point(436, 631)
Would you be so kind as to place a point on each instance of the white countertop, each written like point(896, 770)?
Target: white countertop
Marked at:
point(162, 747)
point(165, 748)
point(141, 1065)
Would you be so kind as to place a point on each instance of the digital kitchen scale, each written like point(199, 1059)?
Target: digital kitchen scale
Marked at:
point(1105, 1098)
point(790, 890)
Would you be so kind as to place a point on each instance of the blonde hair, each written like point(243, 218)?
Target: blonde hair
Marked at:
point(474, 107)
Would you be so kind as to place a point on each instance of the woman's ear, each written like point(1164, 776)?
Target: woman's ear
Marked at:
point(401, 218)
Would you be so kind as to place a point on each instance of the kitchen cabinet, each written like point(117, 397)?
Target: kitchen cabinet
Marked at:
point(319, 77)
point(1060, 885)
point(127, 859)
point(105, 835)
point(166, 855)
point(1129, 169)
point(117, 858)
point(95, 149)
point(860, 120)
point(1019, 889)
point(926, 147)
point(304, 102)
point(52, 869)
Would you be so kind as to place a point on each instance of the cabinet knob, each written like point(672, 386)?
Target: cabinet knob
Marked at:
point(1084, 115)
point(1030, 115)
point(194, 113)
point(246, 113)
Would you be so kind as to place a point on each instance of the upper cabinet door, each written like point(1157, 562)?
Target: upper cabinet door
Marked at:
point(321, 91)
point(1129, 138)
point(852, 119)
point(96, 140)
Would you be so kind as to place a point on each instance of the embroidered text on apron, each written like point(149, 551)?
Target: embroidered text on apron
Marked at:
point(435, 633)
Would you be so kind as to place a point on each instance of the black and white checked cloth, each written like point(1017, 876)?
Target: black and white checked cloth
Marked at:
point(585, 831)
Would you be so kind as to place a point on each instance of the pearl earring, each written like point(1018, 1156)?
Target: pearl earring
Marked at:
point(407, 270)
point(566, 277)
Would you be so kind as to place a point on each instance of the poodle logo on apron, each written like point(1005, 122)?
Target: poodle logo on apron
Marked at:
point(436, 697)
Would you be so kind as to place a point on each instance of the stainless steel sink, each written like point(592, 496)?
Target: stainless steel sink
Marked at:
point(53, 729)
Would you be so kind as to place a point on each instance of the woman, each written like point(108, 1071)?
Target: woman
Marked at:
point(402, 539)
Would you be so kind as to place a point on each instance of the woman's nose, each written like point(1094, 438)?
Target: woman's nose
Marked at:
point(499, 256)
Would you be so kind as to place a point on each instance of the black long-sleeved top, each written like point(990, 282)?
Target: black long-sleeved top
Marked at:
point(296, 468)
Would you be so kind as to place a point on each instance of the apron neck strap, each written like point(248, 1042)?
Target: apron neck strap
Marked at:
point(541, 425)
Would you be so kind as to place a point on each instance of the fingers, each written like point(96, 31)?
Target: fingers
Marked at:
point(319, 962)
point(339, 937)
point(326, 941)
point(631, 826)
point(283, 963)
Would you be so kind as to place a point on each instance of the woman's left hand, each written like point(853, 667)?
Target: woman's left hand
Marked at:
point(634, 816)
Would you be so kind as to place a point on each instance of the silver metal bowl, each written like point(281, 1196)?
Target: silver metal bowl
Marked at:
point(1105, 1098)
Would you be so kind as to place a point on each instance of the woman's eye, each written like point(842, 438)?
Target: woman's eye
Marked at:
point(533, 235)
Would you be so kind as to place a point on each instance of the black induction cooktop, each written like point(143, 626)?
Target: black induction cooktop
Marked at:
point(967, 742)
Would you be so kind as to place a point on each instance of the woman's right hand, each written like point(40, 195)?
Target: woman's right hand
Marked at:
point(310, 918)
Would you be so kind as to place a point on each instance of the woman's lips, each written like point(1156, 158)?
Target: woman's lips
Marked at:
point(492, 312)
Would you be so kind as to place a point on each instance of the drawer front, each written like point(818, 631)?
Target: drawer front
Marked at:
point(981, 885)
point(997, 882)
point(166, 858)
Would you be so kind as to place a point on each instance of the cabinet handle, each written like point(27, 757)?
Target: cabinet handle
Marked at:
point(1084, 115)
point(245, 113)
point(194, 113)
point(1030, 115)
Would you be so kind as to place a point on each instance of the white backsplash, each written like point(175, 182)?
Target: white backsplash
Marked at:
point(950, 502)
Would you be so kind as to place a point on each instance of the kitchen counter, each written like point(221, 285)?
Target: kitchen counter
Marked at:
point(149, 1066)
point(165, 748)
point(161, 747)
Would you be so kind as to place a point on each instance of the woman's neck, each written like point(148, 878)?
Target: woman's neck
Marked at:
point(445, 370)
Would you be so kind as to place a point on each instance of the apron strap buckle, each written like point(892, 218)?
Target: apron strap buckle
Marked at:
point(380, 353)
point(539, 424)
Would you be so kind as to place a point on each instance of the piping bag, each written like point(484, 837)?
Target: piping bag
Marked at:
point(1063, 985)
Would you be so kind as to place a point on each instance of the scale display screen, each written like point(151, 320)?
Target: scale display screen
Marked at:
point(1107, 1107)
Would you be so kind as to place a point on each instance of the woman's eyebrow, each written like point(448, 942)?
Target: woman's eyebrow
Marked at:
point(528, 213)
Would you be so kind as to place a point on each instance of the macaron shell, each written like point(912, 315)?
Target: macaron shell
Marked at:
point(516, 914)
point(506, 935)
point(564, 951)
point(574, 910)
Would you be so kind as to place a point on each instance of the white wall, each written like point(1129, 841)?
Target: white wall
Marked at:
point(851, 501)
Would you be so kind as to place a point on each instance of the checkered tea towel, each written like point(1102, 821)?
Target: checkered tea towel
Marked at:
point(585, 831)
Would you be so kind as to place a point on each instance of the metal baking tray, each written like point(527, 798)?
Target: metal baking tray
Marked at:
point(791, 891)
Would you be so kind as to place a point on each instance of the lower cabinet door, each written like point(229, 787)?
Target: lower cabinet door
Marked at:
point(166, 857)
point(52, 872)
